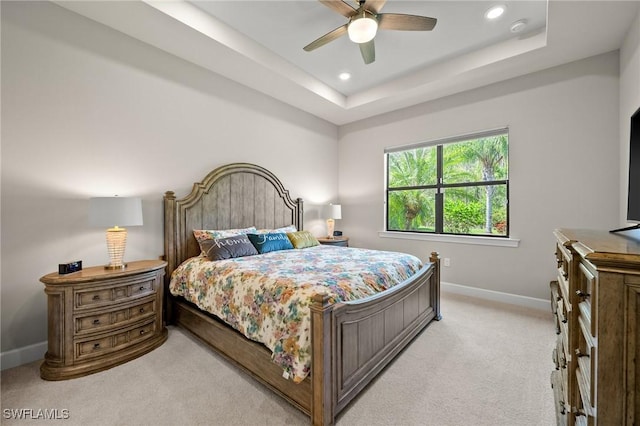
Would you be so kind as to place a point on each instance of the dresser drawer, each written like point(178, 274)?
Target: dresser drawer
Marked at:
point(102, 321)
point(564, 259)
point(109, 295)
point(98, 346)
point(559, 398)
point(586, 291)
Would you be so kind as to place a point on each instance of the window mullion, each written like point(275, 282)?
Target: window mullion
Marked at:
point(439, 194)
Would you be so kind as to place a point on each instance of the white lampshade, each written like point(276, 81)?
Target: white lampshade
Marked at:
point(362, 29)
point(335, 211)
point(114, 212)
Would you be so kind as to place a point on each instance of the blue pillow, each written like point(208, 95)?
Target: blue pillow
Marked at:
point(274, 241)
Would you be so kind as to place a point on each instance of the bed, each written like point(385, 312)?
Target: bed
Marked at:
point(350, 342)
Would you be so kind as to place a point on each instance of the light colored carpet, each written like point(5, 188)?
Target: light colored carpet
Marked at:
point(483, 364)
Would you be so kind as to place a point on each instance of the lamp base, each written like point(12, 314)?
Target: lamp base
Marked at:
point(330, 227)
point(115, 267)
point(116, 243)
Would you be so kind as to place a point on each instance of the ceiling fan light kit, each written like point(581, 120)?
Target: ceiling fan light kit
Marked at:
point(363, 28)
point(364, 23)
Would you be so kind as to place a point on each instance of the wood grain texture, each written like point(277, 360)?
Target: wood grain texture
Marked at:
point(100, 318)
point(601, 273)
point(376, 329)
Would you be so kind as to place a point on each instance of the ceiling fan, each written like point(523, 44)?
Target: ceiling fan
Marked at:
point(365, 21)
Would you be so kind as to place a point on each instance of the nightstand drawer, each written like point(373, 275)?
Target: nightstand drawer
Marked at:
point(85, 299)
point(101, 345)
point(106, 320)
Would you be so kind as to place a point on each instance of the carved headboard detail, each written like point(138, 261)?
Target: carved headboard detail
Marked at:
point(236, 195)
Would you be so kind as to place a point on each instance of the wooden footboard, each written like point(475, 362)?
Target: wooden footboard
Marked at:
point(352, 342)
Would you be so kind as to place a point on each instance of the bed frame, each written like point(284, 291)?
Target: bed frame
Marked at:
point(351, 342)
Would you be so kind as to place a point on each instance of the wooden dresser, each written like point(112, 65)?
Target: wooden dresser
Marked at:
point(99, 318)
point(596, 301)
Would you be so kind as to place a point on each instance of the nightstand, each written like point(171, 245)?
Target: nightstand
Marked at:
point(99, 318)
point(337, 241)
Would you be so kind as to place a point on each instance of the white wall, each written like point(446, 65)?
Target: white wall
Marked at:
point(87, 111)
point(564, 162)
point(629, 103)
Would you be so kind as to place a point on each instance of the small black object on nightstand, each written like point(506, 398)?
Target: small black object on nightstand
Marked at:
point(69, 267)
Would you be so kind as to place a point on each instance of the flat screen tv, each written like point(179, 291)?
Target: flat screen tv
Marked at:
point(633, 196)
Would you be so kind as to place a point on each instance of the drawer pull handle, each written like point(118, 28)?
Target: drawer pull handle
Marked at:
point(96, 321)
point(96, 297)
point(580, 354)
point(96, 345)
point(141, 288)
point(142, 310)
point(142, 332)
point(565, 275)
point(582, 294)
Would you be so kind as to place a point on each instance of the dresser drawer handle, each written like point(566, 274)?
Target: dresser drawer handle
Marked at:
point(142, 332)
point(96, 321)
point(141, 287)
point(580, 354)
point(582, 294)
point(142, 310)
point(96, 297)
point(565, 275)
point(96, 345)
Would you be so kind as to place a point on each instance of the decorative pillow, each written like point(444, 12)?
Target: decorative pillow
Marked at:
point(274, 241)
point(205, 234)
point(284, 229)
point(302, 239)
point(228, 248)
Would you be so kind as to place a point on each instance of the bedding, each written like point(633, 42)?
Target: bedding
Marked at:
point(267, 297)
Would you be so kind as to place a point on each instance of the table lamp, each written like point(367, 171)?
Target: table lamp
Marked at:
point(114, 212)
point(332, 212)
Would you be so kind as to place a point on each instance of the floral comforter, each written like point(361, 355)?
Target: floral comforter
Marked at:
point(267, 297)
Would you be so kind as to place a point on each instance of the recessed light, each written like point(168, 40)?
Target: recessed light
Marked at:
point(495, 12)
point(344, 76)
point(518, 26)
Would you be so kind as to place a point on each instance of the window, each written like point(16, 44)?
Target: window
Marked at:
point(455, 186)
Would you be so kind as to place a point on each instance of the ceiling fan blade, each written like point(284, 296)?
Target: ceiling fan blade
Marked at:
point(339, 6)
point(368, 51)
point(328, 37)
point(374, 6)
point(398, 21)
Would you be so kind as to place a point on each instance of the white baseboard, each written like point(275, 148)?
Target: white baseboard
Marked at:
point(497, 296)
point(25, 355)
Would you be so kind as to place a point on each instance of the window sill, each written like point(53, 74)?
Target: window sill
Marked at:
point(458, 239)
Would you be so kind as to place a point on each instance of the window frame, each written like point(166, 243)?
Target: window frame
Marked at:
point(440, 187)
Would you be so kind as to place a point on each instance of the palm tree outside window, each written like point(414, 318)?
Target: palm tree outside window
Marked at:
point(453, 186)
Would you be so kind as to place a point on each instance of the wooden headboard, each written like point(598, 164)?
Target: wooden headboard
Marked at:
point(237, 195)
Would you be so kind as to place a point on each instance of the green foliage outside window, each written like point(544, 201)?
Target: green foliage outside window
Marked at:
point(469, 196)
